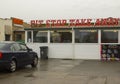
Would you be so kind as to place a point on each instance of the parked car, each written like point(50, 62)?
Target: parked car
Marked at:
point(14, 55)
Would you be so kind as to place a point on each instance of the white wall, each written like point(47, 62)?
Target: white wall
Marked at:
point(72, 51)
point(61, 50)
point(87, 51)
point(36, 47)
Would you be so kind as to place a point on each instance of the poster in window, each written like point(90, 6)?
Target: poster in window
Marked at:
point(110, 52)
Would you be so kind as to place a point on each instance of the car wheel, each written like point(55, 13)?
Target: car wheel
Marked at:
point(12, 67)
point(35, 62)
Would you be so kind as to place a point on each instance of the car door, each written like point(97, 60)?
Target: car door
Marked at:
point(16, 50)
point(26, 53)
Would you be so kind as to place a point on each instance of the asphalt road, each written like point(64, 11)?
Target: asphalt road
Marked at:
point(56, 71)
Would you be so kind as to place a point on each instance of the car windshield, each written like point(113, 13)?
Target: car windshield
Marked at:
point(2, 45)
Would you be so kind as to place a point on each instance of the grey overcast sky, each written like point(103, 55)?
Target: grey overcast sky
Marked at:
point(59, 9)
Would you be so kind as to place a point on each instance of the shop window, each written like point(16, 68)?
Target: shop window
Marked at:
point(86, 36)
point(7, 37)
point(109, 36)
point(61, 36)
point(18, 37)
point(29, 36)
point(40, 37)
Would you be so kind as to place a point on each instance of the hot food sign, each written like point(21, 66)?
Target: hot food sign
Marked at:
point(75, 22)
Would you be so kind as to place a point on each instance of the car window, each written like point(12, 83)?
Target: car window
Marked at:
point(2, 45)
point(12, 48)
point(23, 47)
point(15, 47)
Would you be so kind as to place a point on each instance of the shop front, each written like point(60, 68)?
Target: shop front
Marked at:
point(76, 38)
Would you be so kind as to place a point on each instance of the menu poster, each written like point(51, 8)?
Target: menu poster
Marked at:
point(110, 52)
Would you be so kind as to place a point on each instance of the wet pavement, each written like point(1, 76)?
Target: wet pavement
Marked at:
point(58, 71)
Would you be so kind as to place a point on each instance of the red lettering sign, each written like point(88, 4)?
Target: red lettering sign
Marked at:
point(48, 23)
point(72, 22)
point(75, 22)
point(36, 23)
point(89, 23)
point(64, 22)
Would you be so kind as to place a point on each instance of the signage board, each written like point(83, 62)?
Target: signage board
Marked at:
point(75, 22)
point(17, 22)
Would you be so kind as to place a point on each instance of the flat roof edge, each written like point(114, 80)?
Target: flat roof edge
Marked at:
point(72, 28)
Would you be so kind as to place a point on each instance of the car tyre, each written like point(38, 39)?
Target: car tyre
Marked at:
point(35, 62)
point(13, 65)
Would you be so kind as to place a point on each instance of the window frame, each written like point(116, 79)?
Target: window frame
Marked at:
point(40, 32)
point(29, 40)
point(17, 37)
point(59, 31)
point(110, 42)
point(97, 41)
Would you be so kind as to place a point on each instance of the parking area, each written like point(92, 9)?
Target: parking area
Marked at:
point(64, 71)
